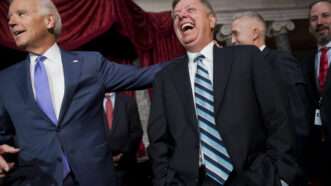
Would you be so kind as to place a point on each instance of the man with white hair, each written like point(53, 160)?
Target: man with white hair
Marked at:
point(54, 100)
point(249, 28)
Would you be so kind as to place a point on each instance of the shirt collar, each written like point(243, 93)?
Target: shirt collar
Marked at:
point(207, 51)
point(327, 46)
point(262, 47)
point(52, 54)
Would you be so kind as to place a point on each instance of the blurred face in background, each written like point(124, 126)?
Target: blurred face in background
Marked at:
point(320, 22)
point(242, 31)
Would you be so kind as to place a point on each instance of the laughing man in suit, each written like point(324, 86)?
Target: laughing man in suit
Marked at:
point(216, 116)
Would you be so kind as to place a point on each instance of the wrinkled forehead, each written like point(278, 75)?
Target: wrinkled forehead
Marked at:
point(23, 4)
point(321, 7)
point(184, 4)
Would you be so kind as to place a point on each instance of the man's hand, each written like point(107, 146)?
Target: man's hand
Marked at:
point(4, 165)
point(116, 159)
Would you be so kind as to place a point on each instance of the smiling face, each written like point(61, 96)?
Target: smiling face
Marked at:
point(193, 24)
point(29, 28)
point(320, 22)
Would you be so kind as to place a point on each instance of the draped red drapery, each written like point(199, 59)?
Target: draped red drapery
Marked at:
point(151, 34)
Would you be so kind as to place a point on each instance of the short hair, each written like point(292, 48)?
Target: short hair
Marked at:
point(318, 1)
point(47, 7)
point(253, 15)
point(204, 2)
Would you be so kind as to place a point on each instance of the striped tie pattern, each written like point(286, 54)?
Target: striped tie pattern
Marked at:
point(215, 157)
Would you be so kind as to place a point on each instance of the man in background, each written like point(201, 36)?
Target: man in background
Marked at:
point(249, 28)
point(317, 73)
point(125, 133)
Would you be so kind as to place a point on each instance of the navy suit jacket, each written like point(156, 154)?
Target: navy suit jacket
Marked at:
point(80, 131)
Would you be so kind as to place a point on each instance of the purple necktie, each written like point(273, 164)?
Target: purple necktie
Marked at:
point(44, 99)
point(43, 94)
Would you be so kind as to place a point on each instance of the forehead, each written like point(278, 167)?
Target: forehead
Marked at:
point(242, 23)
point(320, 7)
point(23, 5)
point(187, 3)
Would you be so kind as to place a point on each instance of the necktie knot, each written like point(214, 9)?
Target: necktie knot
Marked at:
point(199, 58)
point(41, 59)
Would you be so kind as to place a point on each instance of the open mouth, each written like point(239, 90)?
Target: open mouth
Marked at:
point(18, 33)
point(187, 26)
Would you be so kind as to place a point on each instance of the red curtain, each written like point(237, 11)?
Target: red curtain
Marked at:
point(84, 20)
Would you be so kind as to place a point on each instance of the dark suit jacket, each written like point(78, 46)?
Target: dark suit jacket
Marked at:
point(318, 154)
point(290, 80)
point(314, 95)
point(126, 132)
point(80, 132)
point(249, 113)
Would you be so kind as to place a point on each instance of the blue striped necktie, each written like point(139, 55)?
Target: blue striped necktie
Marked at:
point(215, 157)
point(44, 99)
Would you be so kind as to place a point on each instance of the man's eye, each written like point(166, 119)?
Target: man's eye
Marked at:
point(175, 17)
point(313, 18)
point(190, 10)
point(326, 15)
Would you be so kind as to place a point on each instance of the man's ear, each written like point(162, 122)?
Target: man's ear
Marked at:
point(255, 33)
point(212, 21)
point(50, 21)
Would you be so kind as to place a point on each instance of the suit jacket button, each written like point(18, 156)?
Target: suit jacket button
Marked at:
point(59, 159)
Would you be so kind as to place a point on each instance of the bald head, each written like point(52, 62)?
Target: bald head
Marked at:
point(248, 28)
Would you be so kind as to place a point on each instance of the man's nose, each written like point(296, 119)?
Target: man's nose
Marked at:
point(12, 21)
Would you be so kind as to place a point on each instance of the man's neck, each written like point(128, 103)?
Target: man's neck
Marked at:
point(41, 48)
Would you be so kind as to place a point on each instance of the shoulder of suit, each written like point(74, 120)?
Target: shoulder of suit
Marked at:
point(12, 70)
point(174, 63)
point(239, 48)
point(85, 53)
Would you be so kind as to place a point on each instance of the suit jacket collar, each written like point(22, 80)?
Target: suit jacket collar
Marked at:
point(222, 69)
point(71, 70)
point(183, 86)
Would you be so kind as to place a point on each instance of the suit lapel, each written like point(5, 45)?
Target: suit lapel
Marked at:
point(222, 69)
point(71, 70)
point(184, 89)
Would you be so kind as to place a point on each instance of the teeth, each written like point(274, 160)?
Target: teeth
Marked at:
point(186, 26)
point(16, 33)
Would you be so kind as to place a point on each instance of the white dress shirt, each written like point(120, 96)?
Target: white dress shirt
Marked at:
point(207, 51)
point(112, 99)
point(54, 69)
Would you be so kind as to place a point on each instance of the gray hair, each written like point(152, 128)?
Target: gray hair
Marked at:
point(48, 7)
point(253, 15)
point(204, 2)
